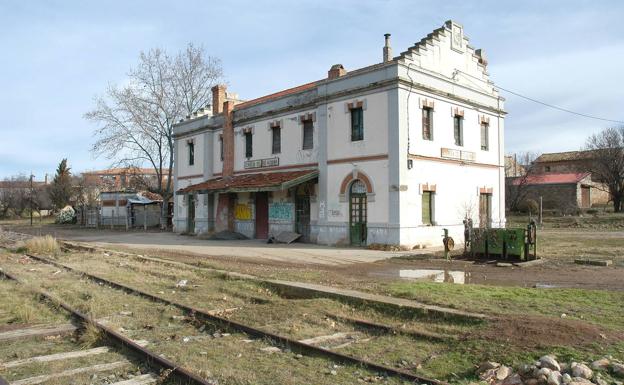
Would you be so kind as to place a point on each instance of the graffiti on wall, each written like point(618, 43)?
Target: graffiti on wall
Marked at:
point(281, 212)
point(243, 212)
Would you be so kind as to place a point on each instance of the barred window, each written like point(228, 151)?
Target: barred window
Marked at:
point(248, 145)
point(276, 146)
point(427, 123)
point(308, 134)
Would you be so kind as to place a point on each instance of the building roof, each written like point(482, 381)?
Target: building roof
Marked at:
point(277, 95)
point(273, 181)
point(565, 156)
point(125, 170)
point(566, 178)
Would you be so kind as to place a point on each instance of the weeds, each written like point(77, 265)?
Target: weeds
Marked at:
point(90, 337)
point(43, 245)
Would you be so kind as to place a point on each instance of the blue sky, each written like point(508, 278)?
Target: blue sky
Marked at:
point(57, 55)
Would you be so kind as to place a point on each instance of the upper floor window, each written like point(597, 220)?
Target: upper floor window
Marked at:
point(248, 145)
point(357, 124)
point(458, 130)
point(427, 123)
point(308, 134)
point(191, 153)
point(547, 169)
point(276, 142)
point(221, 148)
point(485, 128)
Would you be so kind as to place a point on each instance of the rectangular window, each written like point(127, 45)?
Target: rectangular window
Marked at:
point(427, 123)
point(248, 145)
point(221, 148)
point(357, 124)
point(276, 146)
point(427, 207)
point(191, 153)
point(458, 130)
point(308, 135)
point(485, 128)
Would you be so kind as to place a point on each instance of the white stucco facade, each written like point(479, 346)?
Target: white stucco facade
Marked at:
point(394, 161)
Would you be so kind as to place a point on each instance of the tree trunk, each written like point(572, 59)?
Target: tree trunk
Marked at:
point(617, 204)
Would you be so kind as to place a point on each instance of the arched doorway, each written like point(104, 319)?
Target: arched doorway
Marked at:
point(357, 213)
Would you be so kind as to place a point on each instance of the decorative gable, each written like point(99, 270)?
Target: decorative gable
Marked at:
point(446, 51)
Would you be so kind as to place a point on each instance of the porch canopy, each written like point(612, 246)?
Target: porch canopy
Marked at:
point(271, 181)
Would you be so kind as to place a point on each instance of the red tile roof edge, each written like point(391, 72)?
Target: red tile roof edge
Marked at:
point(276, 95)
point(555, 178)
point(262, 179)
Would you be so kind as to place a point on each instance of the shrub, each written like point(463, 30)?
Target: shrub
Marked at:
point(42, 245)
point(528, 205)
point(66, 215)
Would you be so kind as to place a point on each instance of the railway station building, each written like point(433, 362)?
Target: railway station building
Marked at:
point(391, 153)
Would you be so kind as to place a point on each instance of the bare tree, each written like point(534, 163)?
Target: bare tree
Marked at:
point(136, 121)
point(15, 196)
point(517, 187)
point(607, 164)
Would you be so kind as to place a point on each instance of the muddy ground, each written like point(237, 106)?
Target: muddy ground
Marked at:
point(559, 247)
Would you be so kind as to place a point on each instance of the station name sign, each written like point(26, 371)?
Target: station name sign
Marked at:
point(450, 153)
point(260, 163)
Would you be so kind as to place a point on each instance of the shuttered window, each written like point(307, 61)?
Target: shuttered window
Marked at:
point(308, 134)
point(357, 124)
point(248, 145)
point(191, 153)
point(458, 130)
point(485, 128)
point(221, 148)
point(427, 123)
point(276, 146)
point(427, 207)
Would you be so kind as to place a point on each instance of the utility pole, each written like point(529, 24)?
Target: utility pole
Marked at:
point(31, 198)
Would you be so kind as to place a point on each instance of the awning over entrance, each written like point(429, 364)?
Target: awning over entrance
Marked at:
point(273, 181)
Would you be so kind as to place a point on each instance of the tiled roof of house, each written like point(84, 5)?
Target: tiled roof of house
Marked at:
point(253, 182)
point(276, 95)
point(566, 178)
point(125, 170)
point(565, 156)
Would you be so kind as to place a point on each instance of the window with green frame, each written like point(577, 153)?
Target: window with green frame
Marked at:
point(427, 207)
point(357, 124)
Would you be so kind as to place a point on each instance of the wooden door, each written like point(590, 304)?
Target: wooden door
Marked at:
point(190, 226)
point(262, 215)
point(357, 213)
point(485, 210)
point(585, 197)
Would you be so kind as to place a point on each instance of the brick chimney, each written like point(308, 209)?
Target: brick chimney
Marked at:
point(228, 139)
point(387, 50)
point(218, 98)
point(336, 71)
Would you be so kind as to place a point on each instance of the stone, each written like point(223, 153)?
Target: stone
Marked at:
point(182, 283)
point(554, 378)
point(487, 365)
point(602, 363)
point(618, 369)
point(600, 381)
point(125, 313)
point(531, 381)
point(545, 372)
point(526, 370)
point(549, 362)
point(333, 372)
point(514, 379)
point(271, 349)
point(503, 372)
point(566, 378)
point(488, 375)
point(581, 370)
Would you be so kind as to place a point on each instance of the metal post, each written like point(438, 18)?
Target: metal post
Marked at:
point(540, 212)
point(144, 217)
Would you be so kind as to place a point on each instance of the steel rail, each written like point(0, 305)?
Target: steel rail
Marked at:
point(249, 330)
point(152, 358)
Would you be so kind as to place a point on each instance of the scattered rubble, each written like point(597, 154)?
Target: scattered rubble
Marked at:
point(548, 371)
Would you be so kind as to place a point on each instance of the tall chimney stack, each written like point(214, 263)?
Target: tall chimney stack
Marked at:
point(387, 50)
point(218, 98)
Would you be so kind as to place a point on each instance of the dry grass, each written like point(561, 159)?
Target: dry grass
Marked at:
point(43, 245)
point(90, 337)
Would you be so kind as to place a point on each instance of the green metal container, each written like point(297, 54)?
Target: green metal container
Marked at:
point(514, 243)
point(495, 241)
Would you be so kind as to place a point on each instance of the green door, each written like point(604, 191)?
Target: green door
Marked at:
point(357, 213)
point(190, 225)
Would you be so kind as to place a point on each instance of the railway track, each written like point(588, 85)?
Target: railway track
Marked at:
point(287, 343)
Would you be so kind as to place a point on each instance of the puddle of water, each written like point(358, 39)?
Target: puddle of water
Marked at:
point(449, 276)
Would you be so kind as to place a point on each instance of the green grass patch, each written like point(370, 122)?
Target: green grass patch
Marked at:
point(603, 308)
